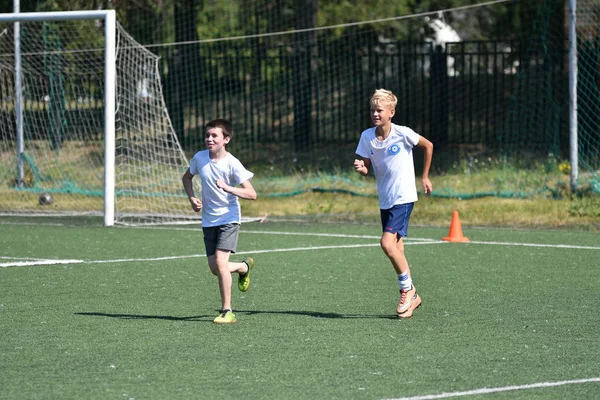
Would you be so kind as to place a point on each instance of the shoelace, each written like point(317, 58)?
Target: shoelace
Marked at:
point(402, 297)
point(224, 312)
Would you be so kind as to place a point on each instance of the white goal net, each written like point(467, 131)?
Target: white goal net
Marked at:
point(61, 168)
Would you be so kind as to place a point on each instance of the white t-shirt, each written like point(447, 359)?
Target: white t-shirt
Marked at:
point(218, 206)
point(392, 161)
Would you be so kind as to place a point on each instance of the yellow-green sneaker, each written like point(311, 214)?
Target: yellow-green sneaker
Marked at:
point(244, 280)
point(226, 317)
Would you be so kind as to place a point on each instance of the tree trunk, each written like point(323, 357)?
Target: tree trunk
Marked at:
point(306, 18)
point(184, 67)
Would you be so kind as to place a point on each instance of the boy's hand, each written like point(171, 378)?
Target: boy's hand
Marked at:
point(196, 204)
point(427, 186)
point(359, 166)
point(221, 184)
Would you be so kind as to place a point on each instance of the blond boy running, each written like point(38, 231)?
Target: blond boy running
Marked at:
point(221, 176)
point(387, 147)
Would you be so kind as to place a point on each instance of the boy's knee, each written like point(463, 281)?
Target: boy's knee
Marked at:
point(213, 268)
point(212, 265)
point(222, 267)
point(387, 247)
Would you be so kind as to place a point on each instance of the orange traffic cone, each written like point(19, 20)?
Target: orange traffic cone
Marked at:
point(455, 234)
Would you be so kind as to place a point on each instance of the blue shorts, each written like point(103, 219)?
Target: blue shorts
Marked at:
point(395, 219)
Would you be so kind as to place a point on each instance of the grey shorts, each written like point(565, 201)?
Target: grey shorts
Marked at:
point(222, 237)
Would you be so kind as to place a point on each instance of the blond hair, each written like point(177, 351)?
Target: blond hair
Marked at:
point(385, 98)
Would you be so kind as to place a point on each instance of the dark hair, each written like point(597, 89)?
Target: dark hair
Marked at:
point(223, 124)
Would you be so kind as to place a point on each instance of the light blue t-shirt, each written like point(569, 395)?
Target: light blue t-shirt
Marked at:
point(218, 206)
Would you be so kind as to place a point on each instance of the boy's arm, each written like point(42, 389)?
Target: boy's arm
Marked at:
point(362, 166)
point(427, 147)
point(246, 191)
point(186, 179)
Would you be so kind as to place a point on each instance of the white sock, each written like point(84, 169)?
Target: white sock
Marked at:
point(404, 281)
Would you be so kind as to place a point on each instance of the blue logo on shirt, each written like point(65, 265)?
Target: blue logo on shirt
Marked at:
point(394, 149)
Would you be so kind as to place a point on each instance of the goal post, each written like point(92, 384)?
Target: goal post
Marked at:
point(109, 18)
point(95, 133)
point(573, 145)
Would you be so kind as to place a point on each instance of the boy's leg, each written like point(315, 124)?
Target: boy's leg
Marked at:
point(400, 247)
point(395, 226)
point(220, 242)
point(234, 267)
point(221, 261)
point(224, 275)
point(394, 250)
point(223, 269)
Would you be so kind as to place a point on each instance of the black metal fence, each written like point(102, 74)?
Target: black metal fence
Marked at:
point(459, 94)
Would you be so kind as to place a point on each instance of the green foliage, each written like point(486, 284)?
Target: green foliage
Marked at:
point(585, 207)
point(323, 207)
point(337, 12)
point(219, 19)
point(472, 177)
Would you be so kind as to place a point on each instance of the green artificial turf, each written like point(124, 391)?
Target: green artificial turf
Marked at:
point(131, 316)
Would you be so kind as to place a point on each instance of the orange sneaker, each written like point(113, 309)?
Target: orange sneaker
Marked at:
point(416, 302)
point(406, 298)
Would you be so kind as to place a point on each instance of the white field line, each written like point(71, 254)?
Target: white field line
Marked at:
point(19, 258)
point(341, 235)
point(39, 262)
point(406, 239)
point(23, 262)
point(555, 246)
point(30, 223)
point(33, 262)
point(475, 392)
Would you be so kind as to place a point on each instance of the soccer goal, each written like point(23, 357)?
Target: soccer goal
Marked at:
point(84, 129)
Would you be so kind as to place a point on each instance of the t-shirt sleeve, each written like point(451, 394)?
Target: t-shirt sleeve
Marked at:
point(194, 164)
point(239, 173)
point(362, 148)
point(412, 137)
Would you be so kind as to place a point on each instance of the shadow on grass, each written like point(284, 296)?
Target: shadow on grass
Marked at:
point(141, 316)
point(314, 314)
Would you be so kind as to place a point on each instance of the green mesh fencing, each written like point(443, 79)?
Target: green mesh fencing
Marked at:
point(488, 84)
point(588, 90)
point(63, 167)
